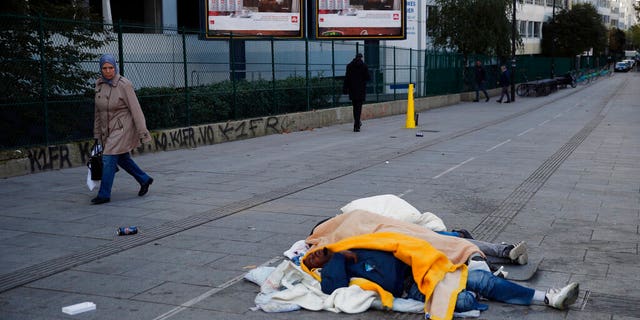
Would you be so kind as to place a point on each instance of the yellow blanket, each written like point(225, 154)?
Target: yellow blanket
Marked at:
point(437, 277)
point(359, 222)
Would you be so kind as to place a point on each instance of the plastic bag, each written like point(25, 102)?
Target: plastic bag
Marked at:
point(95, 162)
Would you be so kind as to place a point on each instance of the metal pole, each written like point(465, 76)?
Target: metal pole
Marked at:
point(43, 74)
point(120, 48)
point(513, 52)
point(306, 72)
point(186, 75)
point(335, 99)
point(274, 95)
point(553, 40)
point(233, 76)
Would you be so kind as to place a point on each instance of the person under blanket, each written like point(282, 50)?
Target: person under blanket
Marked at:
point(392, 206)
point(394, 276)
point(496, 254)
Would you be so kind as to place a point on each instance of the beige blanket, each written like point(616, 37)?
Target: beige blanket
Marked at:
point(359, 222)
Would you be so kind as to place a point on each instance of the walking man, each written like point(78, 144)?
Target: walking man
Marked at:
point(355, 85)
point(481, 81)
point(505, 80)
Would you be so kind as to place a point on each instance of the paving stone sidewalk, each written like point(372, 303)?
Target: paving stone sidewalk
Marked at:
point(560, 172)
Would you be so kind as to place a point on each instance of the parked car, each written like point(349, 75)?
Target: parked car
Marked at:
point(631, 62)
point(622, 66)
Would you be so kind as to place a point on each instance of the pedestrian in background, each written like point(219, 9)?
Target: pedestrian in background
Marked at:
point(481, 81)
point(505, 80)
point(120, 126)
point(355, 85)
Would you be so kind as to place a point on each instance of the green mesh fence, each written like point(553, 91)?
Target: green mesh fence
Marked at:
point(50, 67)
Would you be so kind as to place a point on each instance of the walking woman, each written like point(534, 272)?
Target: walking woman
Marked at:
point(120, 125)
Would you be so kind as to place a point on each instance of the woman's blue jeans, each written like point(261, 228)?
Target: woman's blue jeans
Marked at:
point(110, 163)
point(486, 285)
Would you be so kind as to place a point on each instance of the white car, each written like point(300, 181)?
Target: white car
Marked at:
point(622, 66)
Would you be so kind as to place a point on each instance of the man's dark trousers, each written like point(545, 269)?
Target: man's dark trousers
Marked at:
point(357, 111)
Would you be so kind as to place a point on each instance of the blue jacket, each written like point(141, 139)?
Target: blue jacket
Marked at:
point(378, 266)
point(505, 78)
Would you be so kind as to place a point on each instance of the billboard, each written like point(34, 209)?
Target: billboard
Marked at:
point(360, 19)
point(253, 18)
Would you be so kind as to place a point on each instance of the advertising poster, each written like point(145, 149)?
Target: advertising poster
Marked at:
point(360, 19)
point(268, 18)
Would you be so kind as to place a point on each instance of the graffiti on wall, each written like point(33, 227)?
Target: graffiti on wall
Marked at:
point(49, 158)
point(62, 156)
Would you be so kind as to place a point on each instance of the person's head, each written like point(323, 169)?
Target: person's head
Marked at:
point(478, 63)
point(108, 67)
point(503, 68)
point(318, 258)
point(358, 56)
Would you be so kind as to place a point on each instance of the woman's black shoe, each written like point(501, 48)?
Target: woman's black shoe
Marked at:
point(98, 200)
point(145, 188)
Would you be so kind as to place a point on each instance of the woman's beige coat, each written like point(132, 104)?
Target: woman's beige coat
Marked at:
point(119, 122)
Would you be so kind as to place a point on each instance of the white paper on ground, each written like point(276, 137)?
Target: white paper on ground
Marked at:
point(79, 308)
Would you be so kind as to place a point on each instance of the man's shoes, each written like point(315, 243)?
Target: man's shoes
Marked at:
point(145, 187)
point(487, 100)
point(499, 101)
point(522, 259)
point(98, 200)
point(518, 253)
point(508, 102)
point(563, 297)
point(356, 129)
point(475, 100)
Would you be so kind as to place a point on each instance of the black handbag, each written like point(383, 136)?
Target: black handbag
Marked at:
point(95, 162)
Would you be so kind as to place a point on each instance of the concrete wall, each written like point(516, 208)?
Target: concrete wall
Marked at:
point(74, 154)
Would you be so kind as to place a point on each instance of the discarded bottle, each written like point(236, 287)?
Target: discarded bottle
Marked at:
point(123, 231)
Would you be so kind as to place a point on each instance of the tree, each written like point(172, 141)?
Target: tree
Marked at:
point(43, 45)
point(480, 27)
point(617, 42)
point(633, 36)
point(574, 31)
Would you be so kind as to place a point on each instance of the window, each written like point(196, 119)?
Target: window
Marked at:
point(144, 12)
point(536, 29)
point(522, 28)
point(530, 28)
point(432, 11)
point(188, 14)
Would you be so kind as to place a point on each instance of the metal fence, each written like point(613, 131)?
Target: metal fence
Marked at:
point(46, 92)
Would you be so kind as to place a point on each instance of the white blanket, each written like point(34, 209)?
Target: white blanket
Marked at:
point(392, 206)
point(288, 288)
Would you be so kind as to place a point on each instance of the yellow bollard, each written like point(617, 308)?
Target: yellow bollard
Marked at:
point(411, 120)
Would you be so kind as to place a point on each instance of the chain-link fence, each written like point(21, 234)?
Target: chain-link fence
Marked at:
point(181, 79)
